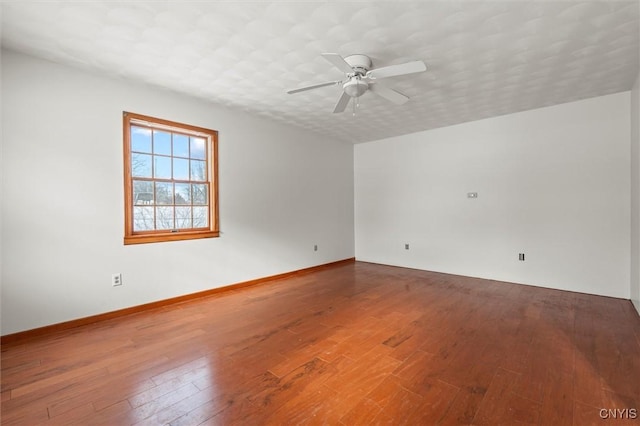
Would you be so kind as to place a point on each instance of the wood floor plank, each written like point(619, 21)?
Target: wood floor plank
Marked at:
point(229, 399)
point(401, 406)
point(156, 392)
point(350, 344)
point(290, 384)
point(170, 412)
point(128, 384)
point(40, 397)
point(386, 390)
point(75, 416)
point(472, 384)
point(586, 415)
point(185, 372)
point(364, 413)
point(319, 405)
point(152, 407)
point(373, 367)
point(116, 414)
point(25, 416)
point(421, 370)
point(324, 350)
point(464, 406)
point(501, 403)
point(557, 406)
point(434, 405)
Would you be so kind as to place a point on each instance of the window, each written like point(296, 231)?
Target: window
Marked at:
point(170, 180)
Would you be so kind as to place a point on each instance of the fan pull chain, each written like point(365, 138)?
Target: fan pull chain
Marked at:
point(356, 104)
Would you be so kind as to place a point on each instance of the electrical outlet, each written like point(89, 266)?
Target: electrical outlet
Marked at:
point(116, 280)
point(406, 246)
point(521, 257)
point(315, 247)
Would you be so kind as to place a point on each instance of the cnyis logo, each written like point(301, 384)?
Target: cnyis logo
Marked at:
point(618, 413)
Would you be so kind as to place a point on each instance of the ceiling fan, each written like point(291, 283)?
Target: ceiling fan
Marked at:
point(360, 77)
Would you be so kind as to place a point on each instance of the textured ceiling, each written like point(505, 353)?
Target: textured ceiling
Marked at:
point(484, 58)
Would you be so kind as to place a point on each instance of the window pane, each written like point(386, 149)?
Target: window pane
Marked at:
point(164, 218)
point(198, 170)
point(198, 148)
point(199, 193)
point(161, 167)
point(200, 217)
point(182, 195)
point(164, 193)
point(140, 165)
point(180, 169)
point(140, 139)
point(142, 192)
point(180, 145)
point(161, 142)
point(142, 218)
point(183, 217)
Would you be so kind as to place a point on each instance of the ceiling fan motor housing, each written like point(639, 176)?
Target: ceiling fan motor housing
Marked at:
point(360, 63)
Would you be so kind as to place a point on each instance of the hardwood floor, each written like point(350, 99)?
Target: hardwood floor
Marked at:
point(353, 344)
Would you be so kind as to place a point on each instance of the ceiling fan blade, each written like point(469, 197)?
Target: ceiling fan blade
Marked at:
point(338, 61)
point(315, 86)
point(389, 94)
point(400, 69)
point(342, 103)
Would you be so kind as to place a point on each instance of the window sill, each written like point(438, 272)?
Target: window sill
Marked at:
point(174, 236)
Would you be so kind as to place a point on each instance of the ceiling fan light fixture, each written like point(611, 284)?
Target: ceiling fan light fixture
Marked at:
point(355, 87)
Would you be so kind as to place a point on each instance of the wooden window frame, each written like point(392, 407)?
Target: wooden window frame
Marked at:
point(154, 236)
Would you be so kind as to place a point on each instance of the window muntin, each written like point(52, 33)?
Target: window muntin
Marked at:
point(170, 180)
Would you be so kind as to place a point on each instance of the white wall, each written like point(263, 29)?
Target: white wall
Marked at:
point(282, 190)
point(635, 194)
point(552, 183)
